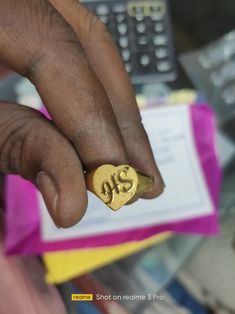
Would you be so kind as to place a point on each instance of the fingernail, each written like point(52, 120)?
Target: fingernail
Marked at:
point(50, 194)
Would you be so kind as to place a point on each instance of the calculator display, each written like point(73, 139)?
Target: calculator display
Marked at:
point(142, 32)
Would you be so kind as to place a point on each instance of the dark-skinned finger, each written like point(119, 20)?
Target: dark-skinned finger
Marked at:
point(37, 42)
point(106, 62)
point(31, 146)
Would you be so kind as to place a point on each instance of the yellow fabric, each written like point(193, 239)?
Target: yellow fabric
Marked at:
point(183, 96)
point(65, 265)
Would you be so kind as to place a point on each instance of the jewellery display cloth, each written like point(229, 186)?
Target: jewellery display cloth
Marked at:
point(62, 266)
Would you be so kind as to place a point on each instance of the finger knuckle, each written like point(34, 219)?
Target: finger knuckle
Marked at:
point(94, 116)
point(38, 33)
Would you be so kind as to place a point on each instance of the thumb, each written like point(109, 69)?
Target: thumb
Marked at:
point(32, 147)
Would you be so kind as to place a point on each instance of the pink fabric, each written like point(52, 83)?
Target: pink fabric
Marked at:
point(23, 220)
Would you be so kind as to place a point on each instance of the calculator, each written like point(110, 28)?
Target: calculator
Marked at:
point(142, 32)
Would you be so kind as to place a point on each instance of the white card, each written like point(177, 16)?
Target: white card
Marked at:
point(185, 196)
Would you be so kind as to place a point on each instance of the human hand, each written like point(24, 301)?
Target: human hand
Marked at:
point(67, 53)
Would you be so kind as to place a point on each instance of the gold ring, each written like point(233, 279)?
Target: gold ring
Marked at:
point(117, 185)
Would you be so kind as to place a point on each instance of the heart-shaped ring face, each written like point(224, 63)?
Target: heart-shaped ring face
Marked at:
point(115, 186)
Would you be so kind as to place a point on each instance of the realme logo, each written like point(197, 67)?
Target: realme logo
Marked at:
point(156, 8)
point(81, 297)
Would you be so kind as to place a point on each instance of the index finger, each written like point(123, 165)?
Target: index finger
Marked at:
point(105, 60)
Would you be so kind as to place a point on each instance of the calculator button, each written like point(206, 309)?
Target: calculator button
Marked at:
point(102, 9)
point(142, 40)
point(155, 17)
point(157, 11)
point(161, 53)
point(120, 17)
point(139, 9)
point(141, 28)
point(119, 8)
point(163, 66)
point(128, 67)
point(122, 28)
point(123, 41)
point(159, 27)
point(159, 40)
point(139, 17)
point(145, 60)
point(126, 54)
